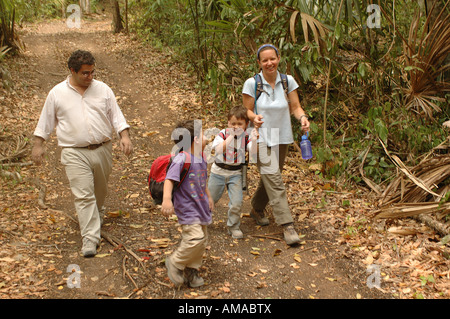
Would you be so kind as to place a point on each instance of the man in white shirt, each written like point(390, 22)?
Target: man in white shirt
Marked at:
point(85, 113)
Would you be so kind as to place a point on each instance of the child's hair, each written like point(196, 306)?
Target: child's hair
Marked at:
point(239, 112)
point(184, 133)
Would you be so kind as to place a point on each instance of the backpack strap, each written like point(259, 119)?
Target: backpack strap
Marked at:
point(284, 82)
point(186, 166)
point(184, 170)
point(259, 87)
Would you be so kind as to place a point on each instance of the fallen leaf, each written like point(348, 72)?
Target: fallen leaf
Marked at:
point(118, 213)
point(135, 226)
point(277, 252)
point(150, 133)
point(261, 285)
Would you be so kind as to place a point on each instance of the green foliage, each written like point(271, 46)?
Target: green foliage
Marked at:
point(16, 11)
point(217, 40)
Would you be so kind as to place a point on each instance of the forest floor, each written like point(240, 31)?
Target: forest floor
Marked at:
point(343, 251)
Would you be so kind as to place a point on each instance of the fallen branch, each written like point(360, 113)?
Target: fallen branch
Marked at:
point(126, 273)
point(268, 236)
point(17, 164)
point(13, 175)
point(42, 192)
point(430, 222)
point(402, 210)
point(109, 238)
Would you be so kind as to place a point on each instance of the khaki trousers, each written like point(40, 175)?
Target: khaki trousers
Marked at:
point(271, 189)
point(192, 247)
point(88, 173)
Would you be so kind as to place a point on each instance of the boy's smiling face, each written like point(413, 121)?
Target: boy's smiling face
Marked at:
point(238, 125)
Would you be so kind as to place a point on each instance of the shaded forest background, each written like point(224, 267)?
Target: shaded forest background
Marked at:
point(373, 75)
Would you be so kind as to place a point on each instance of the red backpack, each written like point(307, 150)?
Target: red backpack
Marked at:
point(158, 172)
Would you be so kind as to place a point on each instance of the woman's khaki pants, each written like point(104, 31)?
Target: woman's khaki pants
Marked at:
point(271, 189)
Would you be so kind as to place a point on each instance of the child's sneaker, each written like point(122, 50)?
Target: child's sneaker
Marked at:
point(236, 233)
point(175, 274)
point(192, 278)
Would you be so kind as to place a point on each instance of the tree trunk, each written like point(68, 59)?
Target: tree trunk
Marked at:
point(85, 6)
point(117, 19)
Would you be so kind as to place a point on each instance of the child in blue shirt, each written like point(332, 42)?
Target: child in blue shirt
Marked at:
point(191, 202)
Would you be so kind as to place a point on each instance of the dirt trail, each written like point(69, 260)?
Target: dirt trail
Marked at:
point(153, 93)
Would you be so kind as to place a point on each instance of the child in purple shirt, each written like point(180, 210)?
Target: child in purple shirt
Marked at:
point(191, 202)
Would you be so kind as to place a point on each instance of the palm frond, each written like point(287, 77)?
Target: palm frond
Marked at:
point(425, 56)
point(309, 24)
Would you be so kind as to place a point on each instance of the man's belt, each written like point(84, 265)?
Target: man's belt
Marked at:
point(229, 167)
point(94, 146)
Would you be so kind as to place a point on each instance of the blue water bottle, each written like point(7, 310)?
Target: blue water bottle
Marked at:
point(305, 146)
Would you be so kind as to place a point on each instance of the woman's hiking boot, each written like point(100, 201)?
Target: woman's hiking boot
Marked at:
point(259, 217)
point(192, 278)
point(290, 235)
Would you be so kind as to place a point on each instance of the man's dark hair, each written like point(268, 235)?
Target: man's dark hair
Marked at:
point(239, 112)
point(78, 58)
point(184, 133)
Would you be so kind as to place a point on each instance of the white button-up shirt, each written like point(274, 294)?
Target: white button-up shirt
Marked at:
point(81, 120)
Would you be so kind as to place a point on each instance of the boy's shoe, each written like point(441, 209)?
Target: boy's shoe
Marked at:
point(259, 218)
point(192, 278)
point(236, 233)
point(175, 274)
point(89, 248)
point(290, 235)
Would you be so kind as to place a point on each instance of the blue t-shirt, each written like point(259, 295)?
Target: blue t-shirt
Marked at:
point(190, 200)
